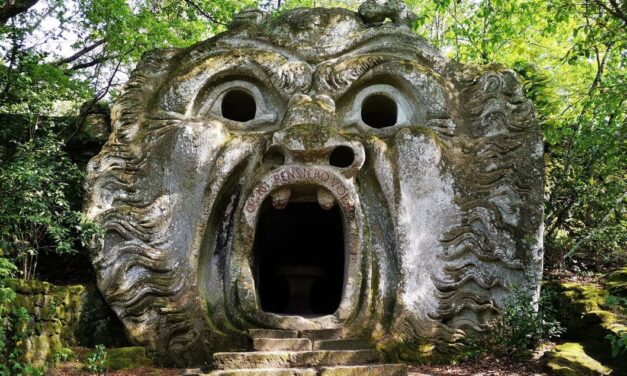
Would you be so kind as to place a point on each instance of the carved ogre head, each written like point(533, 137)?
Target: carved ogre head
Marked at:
point(321, 169)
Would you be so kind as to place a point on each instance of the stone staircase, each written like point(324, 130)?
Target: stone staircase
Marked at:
point(304, 353)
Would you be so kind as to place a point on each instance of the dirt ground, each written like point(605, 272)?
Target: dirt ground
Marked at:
point(484, 367)
point(76, 369)
point(488, 366)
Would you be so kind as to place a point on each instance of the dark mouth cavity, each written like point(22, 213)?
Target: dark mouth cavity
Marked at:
point(299, 256)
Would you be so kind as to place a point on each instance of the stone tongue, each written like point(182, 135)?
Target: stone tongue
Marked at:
point(325, 199)
point(281, 197)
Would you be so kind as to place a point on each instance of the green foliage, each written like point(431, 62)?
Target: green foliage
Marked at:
point(615, 302)
point(7, 295)
point(570, 56)
point(37, 211)
point(619, 343)
point(133, 28)
point(63, 355)
point(15, 326)
point(520, 326)
point(96, 361)
point(618, 305)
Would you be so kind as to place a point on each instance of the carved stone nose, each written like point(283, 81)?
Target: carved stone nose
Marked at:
point(302, 109)
point(310, 135)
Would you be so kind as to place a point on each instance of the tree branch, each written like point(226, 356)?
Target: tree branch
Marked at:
point(461, 26)
point(562, 214)
point(87, 107)
point(615, 9)
point(203, 13)
point(80, 53)
point(12, 8)
point(91, 63)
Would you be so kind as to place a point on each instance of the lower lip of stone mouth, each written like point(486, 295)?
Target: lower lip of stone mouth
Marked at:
point(299, 252)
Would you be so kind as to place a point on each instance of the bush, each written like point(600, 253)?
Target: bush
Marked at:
point(522, 324)
point(525, 323)
point(96, 361)
point(40, 203)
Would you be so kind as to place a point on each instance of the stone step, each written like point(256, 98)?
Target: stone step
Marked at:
point(272, 333)
point(293, 359)
point(282, 344)
point(366, 370)
point(192, 372)
point(266, 372)
point(321, 334)
point(342, 344)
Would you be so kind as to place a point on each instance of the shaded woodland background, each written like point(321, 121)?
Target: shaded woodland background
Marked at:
point(62, 64)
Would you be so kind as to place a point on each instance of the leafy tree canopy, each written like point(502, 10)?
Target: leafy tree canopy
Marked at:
point(66, 57)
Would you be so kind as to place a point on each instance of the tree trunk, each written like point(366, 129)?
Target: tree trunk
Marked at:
point(12, 8)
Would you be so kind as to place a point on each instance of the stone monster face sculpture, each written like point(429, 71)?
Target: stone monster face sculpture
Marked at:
point(318, 170)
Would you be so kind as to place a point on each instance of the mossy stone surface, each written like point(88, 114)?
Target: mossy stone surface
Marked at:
point(570, 359)
point(616, 283)
point(126, 358)
point(414, 186)
point(582, 309)
point(62, 316)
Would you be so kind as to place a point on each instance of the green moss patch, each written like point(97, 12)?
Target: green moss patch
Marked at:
point(570, 359)
point(616, 283)
point(582, 309)
point(61, 317)
point(589, 320)
point(126, 358)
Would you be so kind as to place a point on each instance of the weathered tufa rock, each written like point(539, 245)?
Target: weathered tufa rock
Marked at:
point(318, 170)
point(375, 12)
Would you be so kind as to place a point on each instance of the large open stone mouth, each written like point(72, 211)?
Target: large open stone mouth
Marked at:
point(299, 254)
point(304, 231)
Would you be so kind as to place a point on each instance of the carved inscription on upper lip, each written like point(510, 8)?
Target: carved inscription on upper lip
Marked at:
point(297, 175)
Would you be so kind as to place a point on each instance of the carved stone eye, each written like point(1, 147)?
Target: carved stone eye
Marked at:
point(238, 105)
point(379, 111)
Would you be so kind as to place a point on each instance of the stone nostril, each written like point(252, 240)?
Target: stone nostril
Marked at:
point(274, 157)
point(342, 156)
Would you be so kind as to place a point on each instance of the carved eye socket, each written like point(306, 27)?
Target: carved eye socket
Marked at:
point(238, 105)
point(241, 104)
point(377, 108)
point(379, 111)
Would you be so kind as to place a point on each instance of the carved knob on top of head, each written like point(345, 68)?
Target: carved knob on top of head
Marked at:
point(375, 12)
point(247, 17)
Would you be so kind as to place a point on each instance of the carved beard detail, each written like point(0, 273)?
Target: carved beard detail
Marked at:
point(440, 208)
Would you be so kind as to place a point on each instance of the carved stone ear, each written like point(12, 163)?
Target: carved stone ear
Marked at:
point(375, 12)
point(249, 17)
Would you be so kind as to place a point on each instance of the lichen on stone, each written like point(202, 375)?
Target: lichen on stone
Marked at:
point(440, 197)
point(61, 317)
point(570, 359)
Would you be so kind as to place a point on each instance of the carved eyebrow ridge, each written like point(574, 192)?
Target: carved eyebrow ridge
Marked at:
point(284, 72)
point(336, 76)
point(286, 75)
